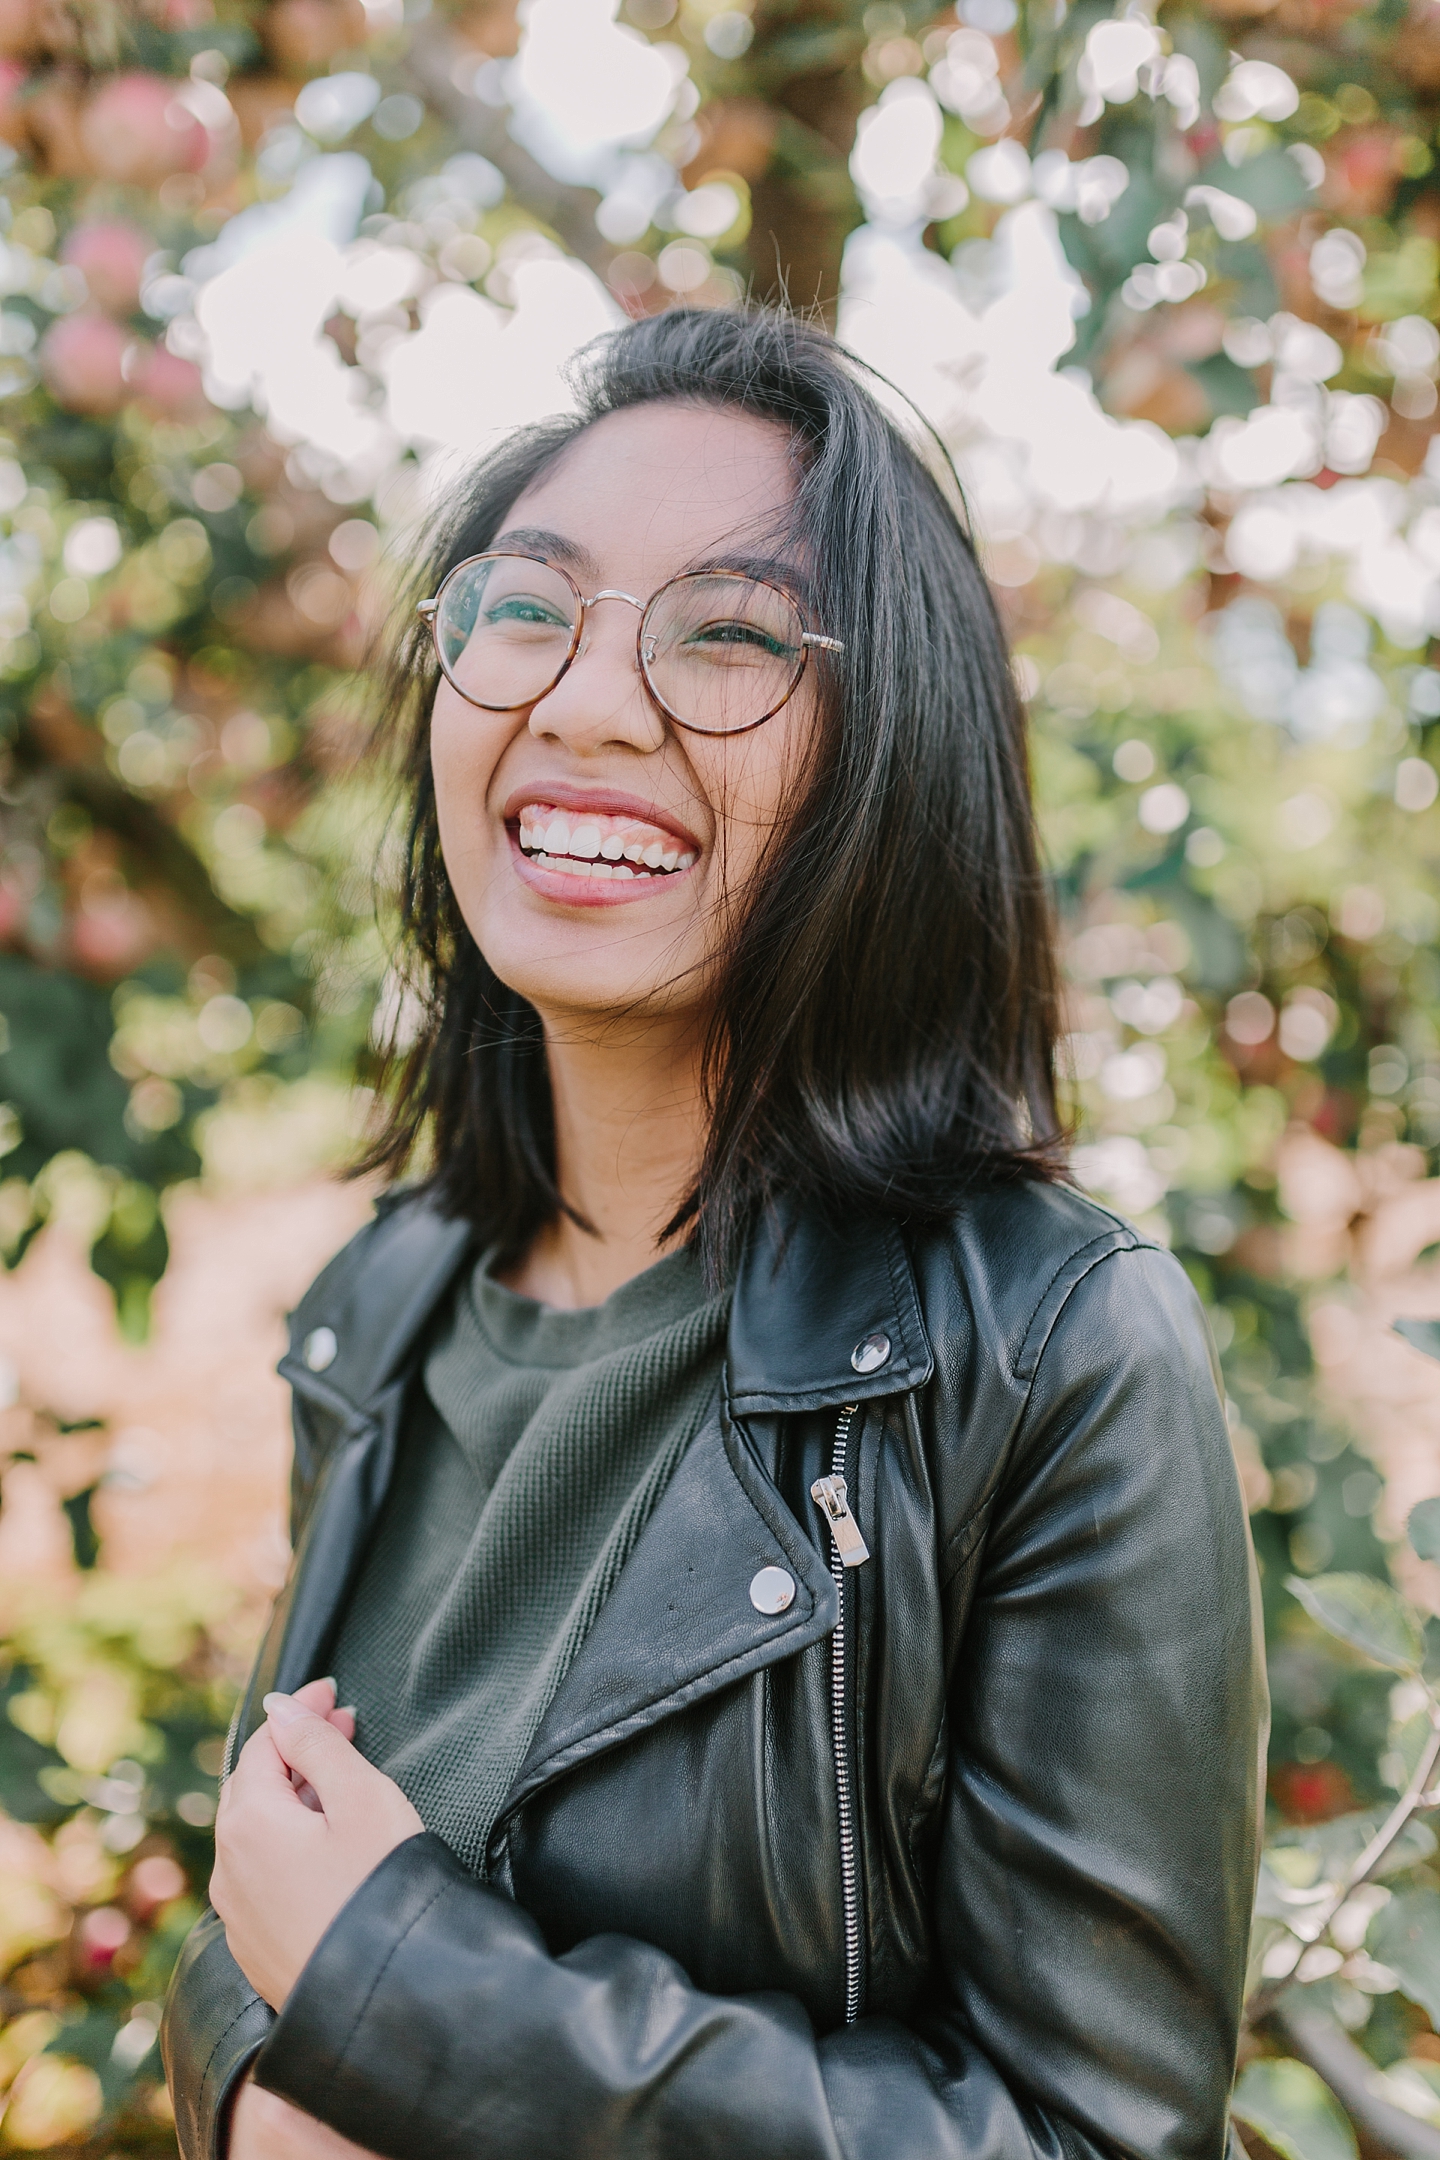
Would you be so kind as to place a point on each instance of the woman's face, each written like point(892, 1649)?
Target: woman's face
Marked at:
point(684, 818)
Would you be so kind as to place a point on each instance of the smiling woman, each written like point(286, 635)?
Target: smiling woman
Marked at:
point(779, 1541)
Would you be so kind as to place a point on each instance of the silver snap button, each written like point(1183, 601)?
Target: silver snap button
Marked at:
point(319, 1348)
point(870, 1355)
point(772, 1590)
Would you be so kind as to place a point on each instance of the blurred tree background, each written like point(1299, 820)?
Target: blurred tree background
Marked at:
point(1167, 280)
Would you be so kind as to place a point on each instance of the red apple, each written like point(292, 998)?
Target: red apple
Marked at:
point(172, 385)
point(82, 358)
point(112, 255)
point(136, 130)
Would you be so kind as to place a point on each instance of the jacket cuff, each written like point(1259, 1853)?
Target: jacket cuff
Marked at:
point(213, 2028)
point(311, 2057)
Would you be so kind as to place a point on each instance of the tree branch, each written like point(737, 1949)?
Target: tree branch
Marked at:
point(1317, 1921)
point(569, 211)
point(1319, 2041)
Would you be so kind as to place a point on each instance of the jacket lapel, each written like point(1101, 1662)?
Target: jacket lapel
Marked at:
point(679, 1622)
point(362, 1396)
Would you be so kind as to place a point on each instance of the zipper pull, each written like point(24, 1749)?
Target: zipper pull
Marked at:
point(831, 1497)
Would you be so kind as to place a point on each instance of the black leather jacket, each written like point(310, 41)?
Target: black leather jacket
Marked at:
point(951, 1858)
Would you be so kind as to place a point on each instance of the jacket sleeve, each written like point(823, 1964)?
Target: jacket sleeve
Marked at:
point(1094, 1868)
point(214, 2022)
point(213, 2028)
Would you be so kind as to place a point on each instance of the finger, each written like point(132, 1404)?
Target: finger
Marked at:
point(344, 1721)
point(261, 1778)
point(317, 1695)
point(315, 1748)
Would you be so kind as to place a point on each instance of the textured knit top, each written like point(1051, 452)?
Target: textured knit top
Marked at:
point(536, 1454)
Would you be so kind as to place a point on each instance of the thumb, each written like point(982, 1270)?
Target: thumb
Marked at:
point(311, 1745)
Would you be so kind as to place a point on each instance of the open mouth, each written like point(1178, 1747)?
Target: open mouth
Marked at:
point(586, 844)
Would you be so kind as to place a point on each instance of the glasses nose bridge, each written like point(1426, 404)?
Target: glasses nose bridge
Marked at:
point(608, 592)
point(613, 592)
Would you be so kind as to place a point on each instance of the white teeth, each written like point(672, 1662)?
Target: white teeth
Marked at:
point(585, 849)
point(569, 867)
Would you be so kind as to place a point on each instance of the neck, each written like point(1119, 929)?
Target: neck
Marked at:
point(629, 1133)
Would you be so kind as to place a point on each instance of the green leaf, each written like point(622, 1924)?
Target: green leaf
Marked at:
point(1405, 1935)
point(1413, 2086)
point(1339, 1843)
point(1364, 1613)
point(1271, 183)
point(1228, 388)
point(1411, 1741)
point(1421, 1335)
point(1294, 2110)
point(1423, 1527)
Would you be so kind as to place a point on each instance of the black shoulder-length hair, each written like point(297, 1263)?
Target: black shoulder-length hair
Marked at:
point(884, 1019)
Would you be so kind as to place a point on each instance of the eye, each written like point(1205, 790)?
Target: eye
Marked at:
point(737, 634)
point(527, 608)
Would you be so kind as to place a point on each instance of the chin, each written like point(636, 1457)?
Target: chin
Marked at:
point(581, 976)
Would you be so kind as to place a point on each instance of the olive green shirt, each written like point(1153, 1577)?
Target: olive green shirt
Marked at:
point(537, 1451)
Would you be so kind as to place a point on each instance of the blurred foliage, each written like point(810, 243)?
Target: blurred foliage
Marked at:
point(115, 1696)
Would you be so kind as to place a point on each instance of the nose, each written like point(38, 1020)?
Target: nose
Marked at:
point(601, 698)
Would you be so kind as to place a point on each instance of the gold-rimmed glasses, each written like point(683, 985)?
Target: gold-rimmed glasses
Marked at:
point(719, 652)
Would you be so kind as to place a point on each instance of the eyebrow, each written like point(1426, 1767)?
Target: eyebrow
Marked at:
point(534, 540)
point(772, 569)
point(779, 570)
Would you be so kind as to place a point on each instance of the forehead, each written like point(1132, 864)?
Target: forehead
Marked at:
point(661, 484)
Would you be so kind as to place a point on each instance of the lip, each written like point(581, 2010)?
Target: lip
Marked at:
point(601, 802)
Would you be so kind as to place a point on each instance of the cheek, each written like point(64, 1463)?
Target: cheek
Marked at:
point(464, 752)
point(751, 782)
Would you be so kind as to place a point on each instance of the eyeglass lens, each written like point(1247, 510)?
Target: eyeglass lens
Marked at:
point(504, 629)
point(720, 653)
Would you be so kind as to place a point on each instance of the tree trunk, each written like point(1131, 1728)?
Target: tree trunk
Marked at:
point(805, 65)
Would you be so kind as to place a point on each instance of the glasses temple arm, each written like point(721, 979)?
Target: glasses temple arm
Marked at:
point(826, 644)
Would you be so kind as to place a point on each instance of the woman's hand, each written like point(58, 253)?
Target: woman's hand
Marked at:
point(265, 2127)
point(283, 1869)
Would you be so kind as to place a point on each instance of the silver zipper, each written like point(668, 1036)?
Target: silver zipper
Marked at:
point(227, 1759)
point(847, 1549)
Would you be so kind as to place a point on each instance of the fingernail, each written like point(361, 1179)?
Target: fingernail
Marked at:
point(283, 1708)
point(331, 1682)
point(348, 1710)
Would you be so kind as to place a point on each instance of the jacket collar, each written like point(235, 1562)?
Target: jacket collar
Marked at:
point(373, 1310)
point(824, 1315)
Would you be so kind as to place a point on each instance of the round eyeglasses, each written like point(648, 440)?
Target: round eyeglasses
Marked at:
point(719, 652)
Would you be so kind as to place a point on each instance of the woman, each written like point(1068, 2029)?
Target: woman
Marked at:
point(780, 1540)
